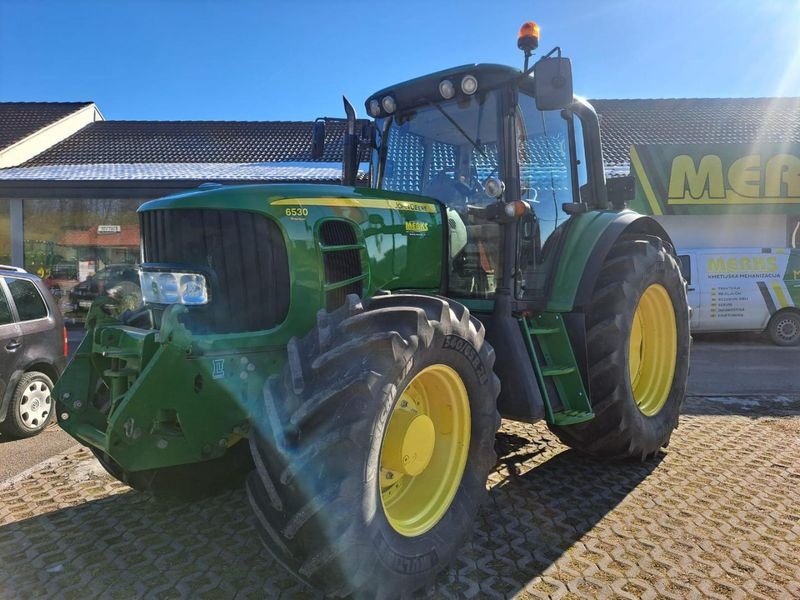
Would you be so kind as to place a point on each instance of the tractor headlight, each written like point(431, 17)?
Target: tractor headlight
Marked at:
point(160, 287)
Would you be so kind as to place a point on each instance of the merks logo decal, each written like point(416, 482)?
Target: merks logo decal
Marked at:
point(765, 266)
point(462, 346)
point(416, 228)
point(716, 178)
point(754, 178)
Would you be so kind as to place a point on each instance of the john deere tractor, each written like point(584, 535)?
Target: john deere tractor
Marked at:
point(351, 350)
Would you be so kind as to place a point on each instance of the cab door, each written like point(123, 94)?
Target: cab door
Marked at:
point(11, 346)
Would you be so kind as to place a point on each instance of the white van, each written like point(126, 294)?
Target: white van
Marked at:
point(744, 289)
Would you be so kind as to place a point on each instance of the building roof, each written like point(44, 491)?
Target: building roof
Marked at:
point(279, 151)
point(624, 123)
point(19, 120)
point(128, 142)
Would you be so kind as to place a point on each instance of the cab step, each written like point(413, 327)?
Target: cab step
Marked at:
point(571, 417)
point(556, 369)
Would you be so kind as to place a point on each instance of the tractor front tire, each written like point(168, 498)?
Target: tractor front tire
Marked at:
point(638, 353)
point(374, 449)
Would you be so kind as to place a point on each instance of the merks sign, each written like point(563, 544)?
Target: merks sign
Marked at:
point(716, 178)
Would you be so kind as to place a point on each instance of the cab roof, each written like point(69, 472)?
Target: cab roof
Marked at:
point(426, 88)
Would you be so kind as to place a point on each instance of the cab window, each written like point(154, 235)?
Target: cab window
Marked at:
point(547, 148)
point(448, 150)
point(543, 151)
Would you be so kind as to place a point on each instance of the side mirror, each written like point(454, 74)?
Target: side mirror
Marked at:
point(552, 78)
point(620, 190)
point(318, 139)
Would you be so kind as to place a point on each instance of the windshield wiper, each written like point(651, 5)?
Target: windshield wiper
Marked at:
point(460, 129)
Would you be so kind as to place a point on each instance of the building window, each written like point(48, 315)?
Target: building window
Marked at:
point(78, 245)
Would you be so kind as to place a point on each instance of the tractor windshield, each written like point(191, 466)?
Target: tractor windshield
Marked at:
point(447, 150)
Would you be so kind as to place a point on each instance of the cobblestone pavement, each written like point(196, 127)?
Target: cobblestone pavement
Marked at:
point(717, 516)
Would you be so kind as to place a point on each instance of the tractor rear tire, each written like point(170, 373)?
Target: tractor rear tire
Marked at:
point(184, 483)
point(374, 448)
point(638, 353)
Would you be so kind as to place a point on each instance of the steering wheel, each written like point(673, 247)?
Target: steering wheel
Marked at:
point(449, 191)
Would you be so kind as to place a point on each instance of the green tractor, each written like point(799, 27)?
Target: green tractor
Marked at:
point(351, 350)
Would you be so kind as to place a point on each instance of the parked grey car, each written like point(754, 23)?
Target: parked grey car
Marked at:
point(33, 352)
point(118, 281)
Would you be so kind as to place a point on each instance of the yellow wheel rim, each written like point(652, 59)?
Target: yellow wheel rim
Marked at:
point(424, 450)
point(652, 349)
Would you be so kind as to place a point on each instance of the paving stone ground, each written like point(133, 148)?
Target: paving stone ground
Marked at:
point(717, 516)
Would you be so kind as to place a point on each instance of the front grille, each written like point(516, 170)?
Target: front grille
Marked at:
point(246, 254)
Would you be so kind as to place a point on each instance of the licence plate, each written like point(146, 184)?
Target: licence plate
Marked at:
point(85, 303)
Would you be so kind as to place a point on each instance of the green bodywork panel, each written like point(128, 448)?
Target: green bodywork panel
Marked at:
point(156, 398)
point(583, 234)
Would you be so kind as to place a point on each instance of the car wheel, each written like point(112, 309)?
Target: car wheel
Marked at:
point(31, 406)
point(784, 328)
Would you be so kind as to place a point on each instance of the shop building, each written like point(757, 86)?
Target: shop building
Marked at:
point(71, 181)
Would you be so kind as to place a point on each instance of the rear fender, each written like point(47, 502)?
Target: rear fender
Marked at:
point(589, 240)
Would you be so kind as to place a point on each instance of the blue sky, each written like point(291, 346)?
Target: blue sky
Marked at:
point(284, 60)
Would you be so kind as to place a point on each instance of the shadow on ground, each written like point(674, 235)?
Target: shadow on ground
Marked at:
point(542, 501)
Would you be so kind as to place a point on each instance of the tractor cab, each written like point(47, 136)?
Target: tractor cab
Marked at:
point(509, 159)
